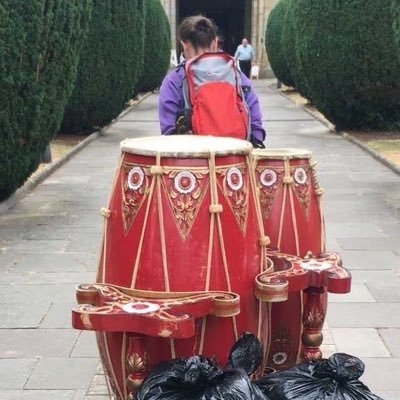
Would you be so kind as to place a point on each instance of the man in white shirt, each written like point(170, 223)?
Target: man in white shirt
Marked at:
point(245, 53)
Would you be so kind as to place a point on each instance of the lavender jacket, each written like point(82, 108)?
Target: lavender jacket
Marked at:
point(171, 101)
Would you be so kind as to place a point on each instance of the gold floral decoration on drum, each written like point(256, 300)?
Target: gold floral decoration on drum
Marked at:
point(137, 364)
point(235, 189)
point(134, 190)
point(269, 184)
point(301, 186)
point(185, 191)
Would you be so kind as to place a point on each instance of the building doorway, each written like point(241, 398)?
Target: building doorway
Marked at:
point(232, 17)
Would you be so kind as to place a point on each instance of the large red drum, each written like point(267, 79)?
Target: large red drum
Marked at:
point(290, 201)
point(182, 217)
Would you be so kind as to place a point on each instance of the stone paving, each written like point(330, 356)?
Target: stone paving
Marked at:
point(49, 243)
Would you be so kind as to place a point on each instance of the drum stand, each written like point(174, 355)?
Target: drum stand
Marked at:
point(315, 277)
point(135, 313)
point(110, 308)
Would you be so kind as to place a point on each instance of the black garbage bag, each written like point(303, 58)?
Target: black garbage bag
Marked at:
point(336, 378)
point(232, 384)
point(179, 379)
point(197, 378)
point(246, 353)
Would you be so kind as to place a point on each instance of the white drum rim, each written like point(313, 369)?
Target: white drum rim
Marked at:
point(185, 146)
point(282, 153)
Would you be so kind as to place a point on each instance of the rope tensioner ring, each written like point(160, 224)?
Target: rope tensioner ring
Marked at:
point(156, 170)
point(216, 208)
point(287, 180)
point(265, 241)
point(105, 212)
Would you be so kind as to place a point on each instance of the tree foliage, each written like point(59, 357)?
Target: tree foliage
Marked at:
point(274, 43)
point(344, 57)
point(40, 43)
point(157, 46)
point(110, 64)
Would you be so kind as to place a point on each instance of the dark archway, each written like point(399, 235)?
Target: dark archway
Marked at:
point(232, 17)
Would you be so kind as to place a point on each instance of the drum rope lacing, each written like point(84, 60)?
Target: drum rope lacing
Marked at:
point(215, 210)
point(288, 181)
point(264, 240)
point(141, 239)
point(157, 171)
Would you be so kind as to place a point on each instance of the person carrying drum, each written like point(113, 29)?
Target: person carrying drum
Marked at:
point(207, 94)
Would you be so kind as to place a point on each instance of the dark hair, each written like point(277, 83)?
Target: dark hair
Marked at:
point(200, 31)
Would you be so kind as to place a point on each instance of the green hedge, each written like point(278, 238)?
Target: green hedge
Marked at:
point(274, 43)
point(157, 46)
point(110, 64)
point(347, 60)
point(290, 36)
point(40, 42)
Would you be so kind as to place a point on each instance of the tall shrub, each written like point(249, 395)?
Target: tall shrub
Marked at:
point(157, 46)
point(274, 41)
point(40, 42)
point(290, 35)
point(347, 55)
point(110, 64)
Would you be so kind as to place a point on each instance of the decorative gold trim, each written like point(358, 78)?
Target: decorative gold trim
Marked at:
point(132, 200)
point(238, 200)
point(303, 192)
point(136, 363)
point(268, 194)
point(225, 303)
point(185, 206)
point(315, 318)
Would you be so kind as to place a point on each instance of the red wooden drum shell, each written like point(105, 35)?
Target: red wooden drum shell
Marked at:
point(183, 218)
point(289, 197)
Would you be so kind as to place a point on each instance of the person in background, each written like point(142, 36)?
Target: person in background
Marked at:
point(198, 35)
point(244, 54)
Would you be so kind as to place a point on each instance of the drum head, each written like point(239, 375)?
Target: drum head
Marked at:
point(185, 146)
point(282, 154)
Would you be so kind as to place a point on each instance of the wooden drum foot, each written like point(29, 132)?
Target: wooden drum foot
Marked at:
point(313, 321)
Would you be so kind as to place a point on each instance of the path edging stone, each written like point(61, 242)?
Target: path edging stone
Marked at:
point(383, 160)
point(387, 163)
point(32, 182)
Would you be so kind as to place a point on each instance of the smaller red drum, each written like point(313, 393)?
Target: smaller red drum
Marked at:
point(290, 205)
point(289, 196)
